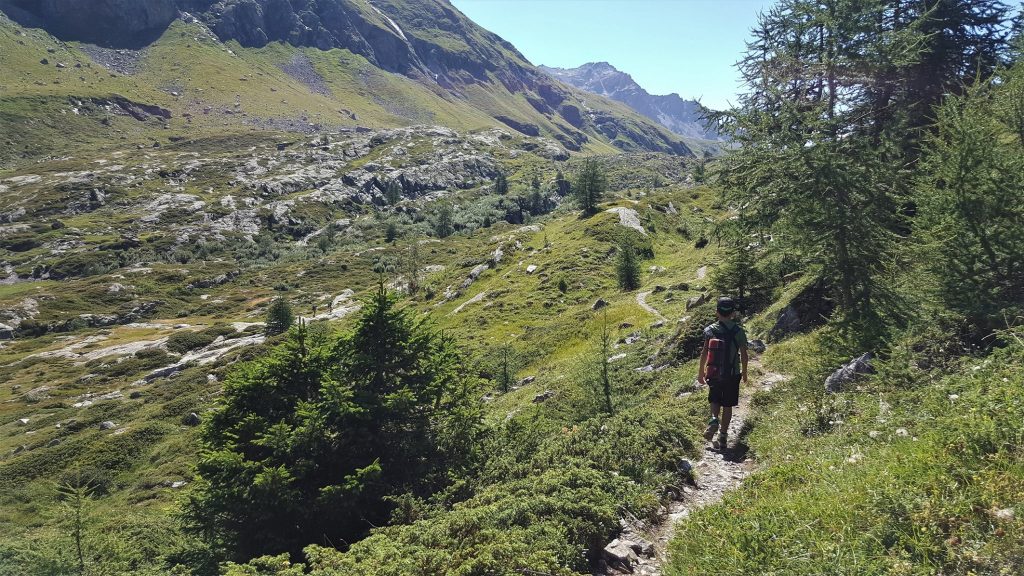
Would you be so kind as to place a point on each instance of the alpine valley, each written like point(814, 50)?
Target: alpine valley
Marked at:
point(351, 287)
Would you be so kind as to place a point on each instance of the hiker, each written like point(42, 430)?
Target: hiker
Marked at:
point(723, 362)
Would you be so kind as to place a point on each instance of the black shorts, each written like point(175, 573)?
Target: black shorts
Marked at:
point(724, 391)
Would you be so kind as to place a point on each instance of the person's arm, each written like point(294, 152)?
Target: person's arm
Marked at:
point(703, 362)
point(743, 360)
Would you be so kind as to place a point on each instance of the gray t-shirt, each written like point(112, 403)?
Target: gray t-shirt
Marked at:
point(723, 327)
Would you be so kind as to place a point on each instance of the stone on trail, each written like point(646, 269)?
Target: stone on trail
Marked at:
point(620, 553)
point(757, 346)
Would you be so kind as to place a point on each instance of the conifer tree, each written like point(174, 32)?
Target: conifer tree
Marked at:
point(444, 224)
point(817, 167)
point(501, 184)
point(627, 267)
point(589, 186)
point(562, 185)
point(969, 198)
point(311, 443)
point(279, 317)
point(393, 192)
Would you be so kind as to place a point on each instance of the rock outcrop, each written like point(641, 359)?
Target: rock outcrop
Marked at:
point(849, 372)
point(671, 111)
point(105, 22)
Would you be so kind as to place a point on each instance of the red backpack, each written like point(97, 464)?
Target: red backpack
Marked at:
point(722, 352)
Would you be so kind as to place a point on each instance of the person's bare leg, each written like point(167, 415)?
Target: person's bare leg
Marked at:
point(709, 432)
point(726, 418)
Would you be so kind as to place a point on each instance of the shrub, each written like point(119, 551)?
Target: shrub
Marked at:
point(279, 317)
point(627, 267)
point(313, 441)
point(187, 340)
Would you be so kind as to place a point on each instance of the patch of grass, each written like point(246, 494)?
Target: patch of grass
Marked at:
point(893, 477)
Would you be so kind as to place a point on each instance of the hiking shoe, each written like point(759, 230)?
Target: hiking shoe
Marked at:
point(723, 440)
point(709, 432)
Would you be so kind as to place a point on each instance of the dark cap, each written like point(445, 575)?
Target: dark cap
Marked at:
point(726, 306)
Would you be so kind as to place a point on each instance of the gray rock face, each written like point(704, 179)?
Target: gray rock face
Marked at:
point(678, 115)
point(543, 396)
point(849, 372)
point(113, 22)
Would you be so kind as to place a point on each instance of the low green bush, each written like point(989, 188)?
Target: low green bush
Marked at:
point(186, 341)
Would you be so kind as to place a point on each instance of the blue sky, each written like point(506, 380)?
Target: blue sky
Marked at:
point(684, 46)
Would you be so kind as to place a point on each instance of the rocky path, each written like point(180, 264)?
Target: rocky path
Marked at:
point(641, 300)
point(717, 472)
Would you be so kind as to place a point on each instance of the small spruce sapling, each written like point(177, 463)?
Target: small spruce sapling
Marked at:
point(279, 317)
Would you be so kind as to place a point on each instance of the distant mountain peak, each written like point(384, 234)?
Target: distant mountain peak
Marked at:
point(671, 111)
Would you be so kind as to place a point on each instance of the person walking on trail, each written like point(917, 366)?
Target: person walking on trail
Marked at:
point(723, 363)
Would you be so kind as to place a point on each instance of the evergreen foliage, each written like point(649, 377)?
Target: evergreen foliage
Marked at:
point(501, 184)
point(444, 221)
point(589, 186)
point(822, 159)
point(393, 192)
point(970, 201)
point(279, 317)
point(310, 443)
point(736, 274)
point(562, 185)
point(627, 266)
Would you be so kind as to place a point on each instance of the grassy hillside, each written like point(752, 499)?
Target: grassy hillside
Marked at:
point(205, 86)
point(74, 374)
point(915, 471)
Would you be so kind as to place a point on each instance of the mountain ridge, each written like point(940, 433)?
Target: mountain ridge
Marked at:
point(675, 113)
point(455, 65)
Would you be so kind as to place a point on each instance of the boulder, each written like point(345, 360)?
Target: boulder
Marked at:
point(118, 23)
point(192, 419)
point(600, 303)
point(849, 372)
point(619, 553)
point(757, 346)
point(810, 308)
point(788, 322)
point(23, 421)
point(696, 301)
point(107, 425)
point(543, 396)
point(525, 381)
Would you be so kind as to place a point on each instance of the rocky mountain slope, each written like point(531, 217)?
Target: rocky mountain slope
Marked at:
point(291, 66)
point(671, 111)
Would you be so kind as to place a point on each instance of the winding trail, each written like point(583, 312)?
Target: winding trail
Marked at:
point(641, 300)
point(717, 472)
